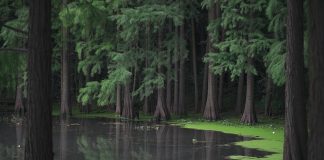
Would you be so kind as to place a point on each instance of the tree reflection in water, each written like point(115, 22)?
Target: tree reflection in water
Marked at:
point(117, 140)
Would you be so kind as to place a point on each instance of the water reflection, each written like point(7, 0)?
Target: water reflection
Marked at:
point(116, 140)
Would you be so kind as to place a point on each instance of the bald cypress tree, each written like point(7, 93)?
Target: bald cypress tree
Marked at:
point(316, 89)
point(295, 146)
point(39, 121)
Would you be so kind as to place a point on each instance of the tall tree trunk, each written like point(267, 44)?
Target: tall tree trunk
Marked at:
point(220, 91)
point(239, 96)
point(295, 147)
point(316, 94)
point(118, 100)
point(204, 90)
point(161, 111)
point(169, 75)
point(268, 97)
point(249, 114)
point(211, 111)
point(39, 144)
point(176, 74)
point(181, 106)
point(168, 88)
point(194, 63)
point(65, 75)
point(146, 106)
point(128, 110)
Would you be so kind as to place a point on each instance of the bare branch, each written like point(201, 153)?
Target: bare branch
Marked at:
point(15, 29)
point(18, 50)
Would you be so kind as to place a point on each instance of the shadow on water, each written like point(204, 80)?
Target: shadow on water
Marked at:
point(103, 139)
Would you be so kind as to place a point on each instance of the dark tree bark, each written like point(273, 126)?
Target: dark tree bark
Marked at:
point(211, 111)
point(39, 144)
point(204, 90)
point(118, 100)
point(316, 90)
point(194, 63)
point(239, 96)
point(249, 114)
point(268, 97)
point(220, 91)
point(161, 111)
point(147, 107)
point(181, 107)
point(295, 147)
point(176, 86)
point(134, 79)
point(128, 110)
point(65, 73)
point(169, 75)
point(168, 87)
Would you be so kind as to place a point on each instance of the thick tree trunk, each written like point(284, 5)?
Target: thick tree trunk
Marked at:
point(181, 107)
point(220, 91)
point(316, 94)
point(118, 100)
point(239, 96)
point(204, 90)
point(65, 73)
point(249, 114)
point(194, 63)
point(39, 144)
point(161, 111)
point(268, 97)
point(211, 111)
point(295, 147)
point(128, 110)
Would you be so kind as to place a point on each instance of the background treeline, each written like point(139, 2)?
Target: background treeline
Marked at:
point(162, 57)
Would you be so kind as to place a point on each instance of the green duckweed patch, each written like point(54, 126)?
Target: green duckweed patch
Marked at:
point(269, 134)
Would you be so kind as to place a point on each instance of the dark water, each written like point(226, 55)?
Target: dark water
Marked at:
point(101, 139)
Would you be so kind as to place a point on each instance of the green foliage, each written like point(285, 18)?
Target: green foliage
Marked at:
point(12, 64)
point(108, 44)
point(243, 38)
point(275, 59)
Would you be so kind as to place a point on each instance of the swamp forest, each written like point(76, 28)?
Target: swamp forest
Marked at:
point(161, 79)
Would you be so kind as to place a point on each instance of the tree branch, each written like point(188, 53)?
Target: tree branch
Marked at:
point(19, 50)
point(15, 29)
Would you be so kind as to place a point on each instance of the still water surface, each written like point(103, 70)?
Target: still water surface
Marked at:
point(103, 139)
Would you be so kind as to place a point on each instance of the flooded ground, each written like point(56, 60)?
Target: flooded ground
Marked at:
point(103, 139)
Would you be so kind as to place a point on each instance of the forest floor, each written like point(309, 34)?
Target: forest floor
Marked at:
point(269, 132)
